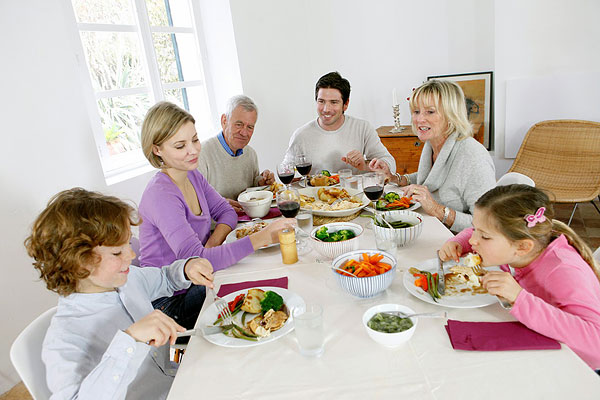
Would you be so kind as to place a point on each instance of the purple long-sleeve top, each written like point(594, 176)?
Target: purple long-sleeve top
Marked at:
point(170, 230)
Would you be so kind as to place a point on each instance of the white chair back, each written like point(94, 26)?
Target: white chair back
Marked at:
point(511, 178)
point(26, 355)
point(597, 255)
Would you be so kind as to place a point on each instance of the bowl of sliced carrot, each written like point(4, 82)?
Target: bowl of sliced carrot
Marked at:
point(365, 273)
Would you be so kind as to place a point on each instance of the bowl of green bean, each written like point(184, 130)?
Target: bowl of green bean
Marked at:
point(401, 226)
point(386, 327)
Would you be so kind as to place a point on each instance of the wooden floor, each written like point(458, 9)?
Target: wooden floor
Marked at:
point(586, 222)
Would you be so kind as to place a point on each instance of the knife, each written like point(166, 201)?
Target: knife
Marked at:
point(441, 280)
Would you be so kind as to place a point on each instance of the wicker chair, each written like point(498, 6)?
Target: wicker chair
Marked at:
point(563, 157)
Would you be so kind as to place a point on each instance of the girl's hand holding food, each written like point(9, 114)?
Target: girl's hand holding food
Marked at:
point(156, 329)
point(503, 284)
point(450, 251)
point(200, 272)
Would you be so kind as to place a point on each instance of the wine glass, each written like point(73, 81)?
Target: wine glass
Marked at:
point(303, 165)
point(373, 186)
point(285, 172)
point(288, 201)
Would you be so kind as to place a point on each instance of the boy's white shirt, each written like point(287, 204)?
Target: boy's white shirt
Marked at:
point(88, 354)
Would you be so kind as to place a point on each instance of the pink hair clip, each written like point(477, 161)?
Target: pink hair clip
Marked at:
point(532, 220)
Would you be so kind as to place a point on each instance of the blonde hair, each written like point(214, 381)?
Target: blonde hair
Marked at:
point(162, 121)
point(508, 205)
point(449, 100)
point(64, 235)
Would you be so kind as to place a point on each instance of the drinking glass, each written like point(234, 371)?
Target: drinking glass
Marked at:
point(344, 174)
point(308, 325)
point(285, 172)
point(288, 201)
point(303, 165)
point(373, 186)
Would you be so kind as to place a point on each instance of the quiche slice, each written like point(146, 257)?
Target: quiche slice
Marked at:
point(252, 301)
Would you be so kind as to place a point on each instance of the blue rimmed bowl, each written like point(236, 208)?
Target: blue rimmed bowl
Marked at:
point(368, 286)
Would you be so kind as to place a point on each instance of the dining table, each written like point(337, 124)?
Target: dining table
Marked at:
point(353, 366)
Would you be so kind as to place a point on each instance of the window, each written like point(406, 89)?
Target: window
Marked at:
point(138, 52)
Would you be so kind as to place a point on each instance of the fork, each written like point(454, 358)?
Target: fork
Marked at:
point(437, 314)
point(480, 271)
point(222, 309)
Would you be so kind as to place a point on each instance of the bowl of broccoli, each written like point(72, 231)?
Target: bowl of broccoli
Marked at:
point(331, 240)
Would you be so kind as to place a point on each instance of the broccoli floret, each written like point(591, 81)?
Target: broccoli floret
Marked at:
point(391, 196)
point(380, 205)
point(271, 301)
point(335, 237)
point(346, 234)
point(325, 172)
point(322, 234)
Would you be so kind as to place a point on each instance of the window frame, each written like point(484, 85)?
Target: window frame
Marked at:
point(127, 165)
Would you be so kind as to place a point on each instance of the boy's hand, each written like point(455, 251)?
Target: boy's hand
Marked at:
point(200, 272)
point(450, 251)
point(503, 284)
point(155, 329)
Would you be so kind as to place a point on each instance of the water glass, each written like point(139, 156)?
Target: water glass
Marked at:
point(386, 244)
point(308, 324)
point(344, 174)
point(305, 221)
point(354, 182)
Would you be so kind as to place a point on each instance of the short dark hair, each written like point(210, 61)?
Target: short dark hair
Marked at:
point(334, 80)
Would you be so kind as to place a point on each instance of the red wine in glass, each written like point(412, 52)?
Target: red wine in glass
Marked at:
point(289, 209)
point(304, 168)
point(374, 192)
point(286, 178)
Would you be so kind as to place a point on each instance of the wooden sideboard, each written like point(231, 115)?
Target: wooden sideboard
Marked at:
point(405, 147)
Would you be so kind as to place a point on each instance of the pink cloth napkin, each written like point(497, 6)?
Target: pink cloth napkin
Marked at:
point(273, 213)
point(227, 288)
point(496, 336)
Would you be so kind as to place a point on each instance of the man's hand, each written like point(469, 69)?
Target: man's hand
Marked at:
point(266, 178)
point(356, 159)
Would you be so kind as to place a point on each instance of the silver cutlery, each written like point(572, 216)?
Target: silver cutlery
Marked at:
point(437, 314)
point(441, 277)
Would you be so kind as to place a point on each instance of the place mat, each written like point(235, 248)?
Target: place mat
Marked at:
point(496, 336)
point(320, 220)
point(273, 213)
point(227, 288)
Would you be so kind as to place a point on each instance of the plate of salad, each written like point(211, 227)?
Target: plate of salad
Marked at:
point(226, 338)
point(457, 295)
point(391, 201)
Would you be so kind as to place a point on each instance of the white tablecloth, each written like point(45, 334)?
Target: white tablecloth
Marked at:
point(355, 367)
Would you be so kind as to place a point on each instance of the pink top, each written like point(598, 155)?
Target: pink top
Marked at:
point(560, 297)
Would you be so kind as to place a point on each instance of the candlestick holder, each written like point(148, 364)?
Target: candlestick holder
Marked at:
point(397, 127)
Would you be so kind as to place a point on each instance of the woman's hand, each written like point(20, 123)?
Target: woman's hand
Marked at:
point(503, 284)
point(377, 165)
point(356, 159)
point(200, 272)
point(421, 194)
point(269, 234)
point(155, 329)
point(450, 251)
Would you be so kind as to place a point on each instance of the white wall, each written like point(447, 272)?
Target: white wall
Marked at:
point(47, 147)
point(283, 48)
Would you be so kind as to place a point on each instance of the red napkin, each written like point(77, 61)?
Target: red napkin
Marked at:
point(273, 213)
point(227, 288)
point(496, 336)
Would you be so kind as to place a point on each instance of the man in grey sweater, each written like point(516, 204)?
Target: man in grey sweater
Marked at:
point(335, 140)
point(227, 162)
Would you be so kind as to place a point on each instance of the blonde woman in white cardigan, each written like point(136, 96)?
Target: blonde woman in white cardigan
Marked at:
point(454, 169)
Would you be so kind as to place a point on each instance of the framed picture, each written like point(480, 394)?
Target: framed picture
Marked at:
point(478, 87)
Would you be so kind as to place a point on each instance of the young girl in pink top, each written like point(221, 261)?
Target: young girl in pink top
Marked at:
point(555, 288)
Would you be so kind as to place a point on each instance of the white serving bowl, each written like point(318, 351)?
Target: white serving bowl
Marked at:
point(259, 207)
point(402, 236)
point(368, 286)
point(334, 249)
point(389, 339)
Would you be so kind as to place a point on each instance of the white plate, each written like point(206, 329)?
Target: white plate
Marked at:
point(230, 238)
point(468, 300)
point(312, 192)
point(290, 299)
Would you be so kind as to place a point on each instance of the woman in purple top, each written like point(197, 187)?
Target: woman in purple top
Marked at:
point(178, 206)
